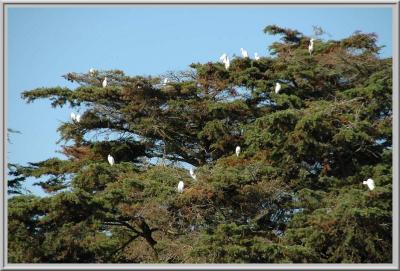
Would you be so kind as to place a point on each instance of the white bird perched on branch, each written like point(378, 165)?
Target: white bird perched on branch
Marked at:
point(92, 71)
point(110, 159)
point(181, 185)
point(227, 63)
point(105, 82)
point(311, 46)
point(237, 150)
point(244, 53)
point(192, 174)
point(78, 118)
point(166, 81)
point(277, 87)
point(225, 59)
point(370, 183)
point(256, 57)
point(73, 116)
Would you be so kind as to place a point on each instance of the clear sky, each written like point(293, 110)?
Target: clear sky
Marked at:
point(45, 43)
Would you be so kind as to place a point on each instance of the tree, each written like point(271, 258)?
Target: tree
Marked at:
point(294, 194)
point(14, 185)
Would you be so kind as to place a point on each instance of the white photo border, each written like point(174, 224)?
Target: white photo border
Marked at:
point(393, 4)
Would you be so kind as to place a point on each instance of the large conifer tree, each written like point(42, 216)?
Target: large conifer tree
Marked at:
point(294, 194)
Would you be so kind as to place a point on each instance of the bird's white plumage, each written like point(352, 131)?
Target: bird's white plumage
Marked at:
point(78, 118)
point(256, 57)
point(192, 174)
point(105, 82)
point(370, 183)
point(92, 71)
point(237, 151)
point(277, 88)
point(223, 57)
point(73, 116)
point(311, 46)
point(166, 81)
point(181, 185)
point(227, 63)
point(110, 160)
point(244, 53)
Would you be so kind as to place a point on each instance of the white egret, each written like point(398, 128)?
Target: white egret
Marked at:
point(110, 159)
point(92, 71)
point(73, 116)
point(223, 57)
point(78, 118)
point(370, 183)
point(256, 57)
point(244, 53)
point(105, 82)
point(192, 174)
point(311, 46)
point(277, 87)
point(227, 63)
point(181, 185)
point(166, 81)
point(237, 150)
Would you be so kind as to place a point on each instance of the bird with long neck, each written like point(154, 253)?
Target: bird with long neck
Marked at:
point(227, 63)
point(244, 53)
point(166, 81)
point(370, 183)
point(225, 59)
point(311, 46)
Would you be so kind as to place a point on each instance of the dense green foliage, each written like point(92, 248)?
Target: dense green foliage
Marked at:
point(294, 194)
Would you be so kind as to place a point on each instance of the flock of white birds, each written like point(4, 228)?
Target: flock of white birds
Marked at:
point(225, 60)
point(181, 184)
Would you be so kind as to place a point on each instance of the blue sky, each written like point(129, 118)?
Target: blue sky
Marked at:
point(45, 43)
